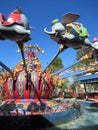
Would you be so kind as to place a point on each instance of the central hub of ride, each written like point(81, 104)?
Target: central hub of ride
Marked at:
point(29, 82)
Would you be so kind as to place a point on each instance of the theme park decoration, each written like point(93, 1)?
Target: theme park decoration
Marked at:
point(28, 91)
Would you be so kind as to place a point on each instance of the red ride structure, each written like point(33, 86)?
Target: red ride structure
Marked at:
point(32, 84)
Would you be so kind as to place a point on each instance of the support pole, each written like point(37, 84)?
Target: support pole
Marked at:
point(85, 89)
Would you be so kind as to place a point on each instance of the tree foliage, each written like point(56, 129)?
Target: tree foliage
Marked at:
point(80, 53)
point(56, 65)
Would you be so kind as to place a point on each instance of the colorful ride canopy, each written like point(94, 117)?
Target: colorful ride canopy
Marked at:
point(15, 28)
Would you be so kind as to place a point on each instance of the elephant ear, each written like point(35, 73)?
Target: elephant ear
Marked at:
point(69, 18)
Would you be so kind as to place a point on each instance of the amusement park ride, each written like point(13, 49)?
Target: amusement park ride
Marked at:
point(27, 90)
point(71, 34)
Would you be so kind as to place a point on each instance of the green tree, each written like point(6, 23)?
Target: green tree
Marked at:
point(85, 63)
point(56, 65)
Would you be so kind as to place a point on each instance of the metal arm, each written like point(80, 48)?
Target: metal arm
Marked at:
point(6, 68)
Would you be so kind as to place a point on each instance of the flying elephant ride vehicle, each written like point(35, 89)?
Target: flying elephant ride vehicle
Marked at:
point(15, 28)
point(27, 92)
point(71, 34)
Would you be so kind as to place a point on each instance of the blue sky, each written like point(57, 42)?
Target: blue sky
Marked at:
point(40, 13)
